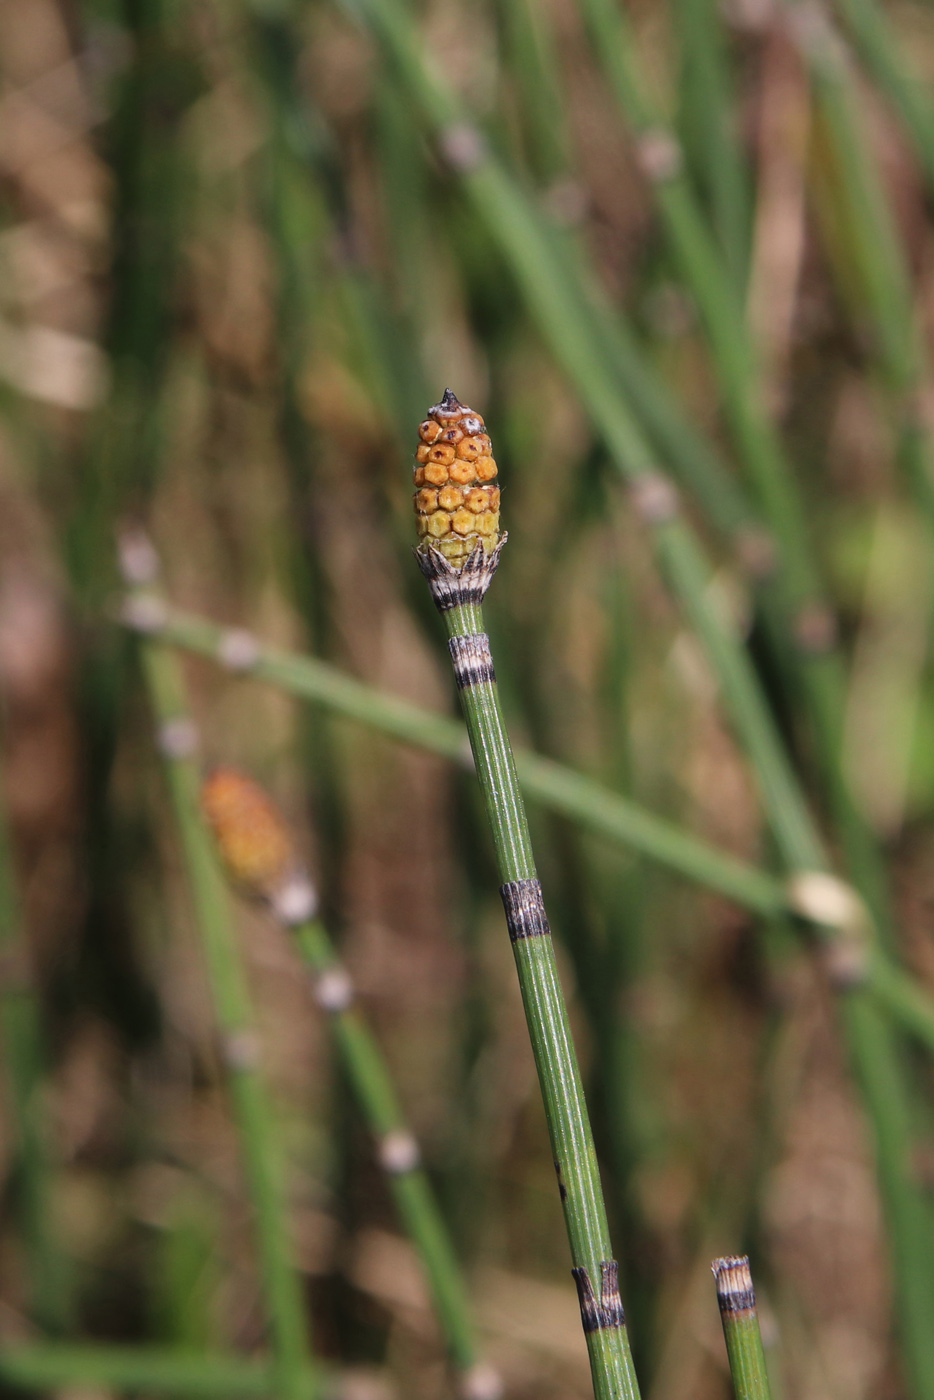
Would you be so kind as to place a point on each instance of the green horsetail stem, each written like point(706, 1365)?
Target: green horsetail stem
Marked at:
point(400, 1159)
point(282, 1290)
point(458, 592)
point(737, 1299)
point(592, 806)
point(258, 851)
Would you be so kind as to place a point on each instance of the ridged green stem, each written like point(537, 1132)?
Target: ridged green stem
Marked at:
point(552, 1044)
point(282, 1291)
point(737, 1300)
point(415, 1200)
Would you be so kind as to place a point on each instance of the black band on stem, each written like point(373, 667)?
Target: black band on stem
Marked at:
point(608, 1311)
point(473, 664)
point(525, 909)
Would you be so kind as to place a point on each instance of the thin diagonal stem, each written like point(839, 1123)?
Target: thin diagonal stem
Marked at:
point(372, 1084)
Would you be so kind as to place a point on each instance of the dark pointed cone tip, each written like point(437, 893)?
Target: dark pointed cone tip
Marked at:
point(449, 407)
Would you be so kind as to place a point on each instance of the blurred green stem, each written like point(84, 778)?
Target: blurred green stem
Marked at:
point(145, 141)
point(258, 1133)
point(398, 1152)
point(592, 806)
point(147, 1370)
point(706, 124)
point(874, 1053)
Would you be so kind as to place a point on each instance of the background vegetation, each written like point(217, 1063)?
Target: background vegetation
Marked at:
point(243, 248)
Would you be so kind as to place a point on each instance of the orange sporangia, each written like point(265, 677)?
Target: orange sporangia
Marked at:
point(253, 840)
point(454, 509)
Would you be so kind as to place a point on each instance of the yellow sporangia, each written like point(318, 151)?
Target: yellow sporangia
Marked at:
point(253, 840)
point(456, 502)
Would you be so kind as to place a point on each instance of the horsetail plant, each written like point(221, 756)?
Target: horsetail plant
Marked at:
point(457, 511)
point(258, 852)
point(737, 1299)
point(177, 740)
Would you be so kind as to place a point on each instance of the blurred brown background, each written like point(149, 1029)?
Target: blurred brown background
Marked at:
point(234, 271)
